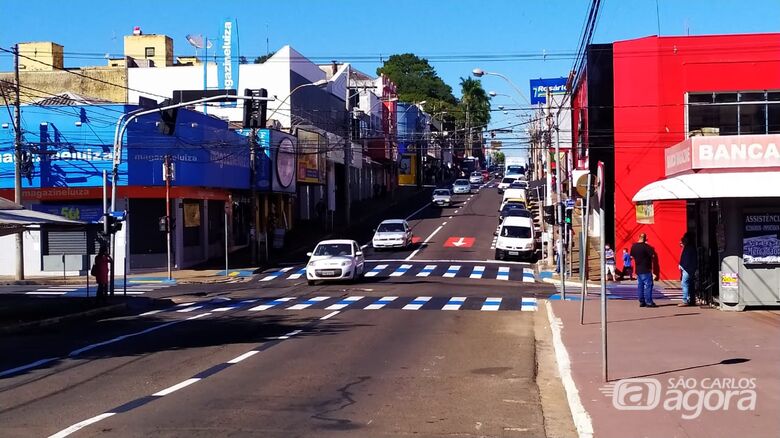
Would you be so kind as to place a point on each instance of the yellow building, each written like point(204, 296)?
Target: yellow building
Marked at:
point(158, 49)
point(40, 56)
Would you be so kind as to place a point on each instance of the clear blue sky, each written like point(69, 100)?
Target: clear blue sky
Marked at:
point(456, 34)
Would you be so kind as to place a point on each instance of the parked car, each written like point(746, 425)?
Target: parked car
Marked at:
point(520, 203)
point(513, 209)
point(515, 239)
point(518, 184)
point(461, 186)
point(442, 197)
point(475, 178)
point(392, 233)
point(504, 184)
point(335, 260)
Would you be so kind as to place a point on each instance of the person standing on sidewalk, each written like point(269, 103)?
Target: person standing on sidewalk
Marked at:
point(643, 255)
point(609, 260)
point(100, 272)
point(627, 268)
point(688, 267)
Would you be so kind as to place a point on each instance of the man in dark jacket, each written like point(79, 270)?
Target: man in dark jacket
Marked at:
point(643, 255)
point(688, 267)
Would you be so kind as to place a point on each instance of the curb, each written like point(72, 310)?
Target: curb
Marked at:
point(16, 328)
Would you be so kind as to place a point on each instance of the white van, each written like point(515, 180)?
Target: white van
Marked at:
point(515, 238)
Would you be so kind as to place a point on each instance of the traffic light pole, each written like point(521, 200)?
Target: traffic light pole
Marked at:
point(255, 203)
point(560, 210)
point(18, 164)
point(167, 175)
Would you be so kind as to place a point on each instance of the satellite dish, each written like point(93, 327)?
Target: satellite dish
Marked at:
point(198, 41)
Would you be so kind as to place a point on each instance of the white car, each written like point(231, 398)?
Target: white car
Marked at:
point(335, 260)
point(515, 238)
point(392, 233)
point(442, 197)
point(461, 186)
point(504, 184)
point(475, 178)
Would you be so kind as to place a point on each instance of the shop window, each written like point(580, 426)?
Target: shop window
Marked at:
point(192, 223)
point(144, 223)
point(734, 113)
point(773, 113)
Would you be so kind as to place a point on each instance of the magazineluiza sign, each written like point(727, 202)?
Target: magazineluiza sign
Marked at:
point(227, 67)
point(761, 239)
point(539, 87)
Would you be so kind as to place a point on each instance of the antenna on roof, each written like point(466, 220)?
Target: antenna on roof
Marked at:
point(198, 42)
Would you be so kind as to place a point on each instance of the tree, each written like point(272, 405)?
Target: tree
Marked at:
point(416, 80)
point(475, 101)
point(498, 157)
point(242, 60)
point(263, 58)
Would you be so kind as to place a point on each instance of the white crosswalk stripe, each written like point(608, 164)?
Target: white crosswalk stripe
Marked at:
point(426, 271)
point(400, 271)
point(344, 303)
point(271, 304)
point(375, 271)
point(503, 273)
point(417, 303)
point(491, 304)
point(528, 275)
point(528, 304)
point(452, 271)
point(477, 272)
point(298, 274)
point(308, 303)
point(455, 303)
point(382, 302)
point(275, 275)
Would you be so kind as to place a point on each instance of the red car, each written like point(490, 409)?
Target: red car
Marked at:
point(485, 176)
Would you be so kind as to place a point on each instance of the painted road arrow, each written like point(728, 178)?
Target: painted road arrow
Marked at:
point(459, 242)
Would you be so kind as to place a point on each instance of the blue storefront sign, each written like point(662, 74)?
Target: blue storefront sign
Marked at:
point(539, 87)
point(85, 212)
point(228, 56)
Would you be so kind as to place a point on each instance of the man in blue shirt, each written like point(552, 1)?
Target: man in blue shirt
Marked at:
point(627, 269)
point(688, 266)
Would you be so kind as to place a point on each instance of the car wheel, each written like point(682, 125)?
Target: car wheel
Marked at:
point(310, 282)
point(499, 255)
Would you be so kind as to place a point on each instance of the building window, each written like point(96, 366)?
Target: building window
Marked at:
point(149, 52)
point(735, 113)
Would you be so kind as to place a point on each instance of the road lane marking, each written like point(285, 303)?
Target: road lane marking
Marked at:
point(528, 275)
point(176, 387)
point(330, 315)
point(503, 273)
point(271, 304)
point(477, 272)
point(189, 309)
point(344, 303)
point(449, 217)
point(151, 312)
point(444, 223)
point(528, 304)
point(82, 424)
point(452, 271)
point(277, 274)
point(426, 271)
point(246, 355)
point(308, 303)
point(491, 304)
point(421, 209)
point(375, 271)
point(417, 303)
point(401, 270)
point(454, 303)
point(382, 302)
point(425, 242)
point(298, 274)
point(288, 335)
point(224, 309)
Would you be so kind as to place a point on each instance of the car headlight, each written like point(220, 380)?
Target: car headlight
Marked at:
point(346, 263)
point(311, 264)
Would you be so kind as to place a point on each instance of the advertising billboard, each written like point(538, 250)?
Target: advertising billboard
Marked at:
point(279, 149)
point(761, 239)
point(539, 87)
point(228, 56)
point(407, 170)
point(311, 157)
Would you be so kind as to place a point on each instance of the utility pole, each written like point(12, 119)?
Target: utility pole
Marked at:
point(348, 156)
point(255, 229)
point(167, 174)
point(18, 164)
point(559, 204)
point(548, 199)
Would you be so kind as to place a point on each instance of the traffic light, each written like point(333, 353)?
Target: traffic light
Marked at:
point(163, 224)
point(115, 220)
point(255, 110)
point(168, 118)
point(549, 214)
point(568, 214)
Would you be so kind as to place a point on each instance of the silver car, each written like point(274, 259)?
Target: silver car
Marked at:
point(461, 186)
point(442, 197)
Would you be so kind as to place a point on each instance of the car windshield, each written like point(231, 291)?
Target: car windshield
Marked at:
point(390, 228)
point(333, 249)
point(508, 180)
point(512, 206)
point(521, 212)
point(476, 174)
point(516, 204)
point(441, 192)
point(461, 182)
point(516, 232)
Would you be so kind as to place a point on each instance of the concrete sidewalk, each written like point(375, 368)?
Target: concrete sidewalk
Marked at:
point(681, 360)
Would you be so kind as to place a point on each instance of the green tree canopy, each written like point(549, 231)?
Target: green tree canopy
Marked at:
point(475, 101)
point(416, 80)
point(263, 58)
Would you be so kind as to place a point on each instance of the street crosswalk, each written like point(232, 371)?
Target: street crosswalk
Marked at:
point(361, 302)
point(81, 291)
point(471, 270)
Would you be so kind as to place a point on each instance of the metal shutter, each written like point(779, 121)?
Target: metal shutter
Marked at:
point(66, 242)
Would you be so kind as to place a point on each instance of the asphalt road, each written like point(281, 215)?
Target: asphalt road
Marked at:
point(408, 351)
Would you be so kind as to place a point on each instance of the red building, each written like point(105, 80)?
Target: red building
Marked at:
point(664, 90)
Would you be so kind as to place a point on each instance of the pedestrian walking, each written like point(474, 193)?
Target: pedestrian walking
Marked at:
point(100, 271)
point(688, 266)
point(643, 255)
point(609, 261)
point(627, 267)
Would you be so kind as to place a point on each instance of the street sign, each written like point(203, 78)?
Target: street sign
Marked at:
point(569, 203)
point(459, 242)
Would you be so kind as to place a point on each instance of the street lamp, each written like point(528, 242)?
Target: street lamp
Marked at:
point(494, 94)
point(478, 72)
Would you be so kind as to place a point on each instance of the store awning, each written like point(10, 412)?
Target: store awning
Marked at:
point(712, 185)
point(14, 218)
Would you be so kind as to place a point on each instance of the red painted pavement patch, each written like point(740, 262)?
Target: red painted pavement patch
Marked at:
point(459, 242)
